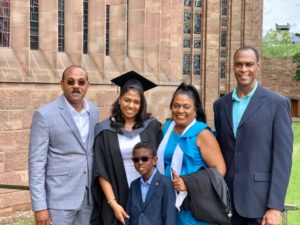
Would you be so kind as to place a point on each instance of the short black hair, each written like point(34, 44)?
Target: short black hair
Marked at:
point(246, 47)
point(145, 145)
point(70, 67)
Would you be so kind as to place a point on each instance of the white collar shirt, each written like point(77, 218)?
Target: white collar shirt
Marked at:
point(81, 120)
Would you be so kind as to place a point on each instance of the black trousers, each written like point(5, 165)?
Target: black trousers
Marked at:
point(236, 219)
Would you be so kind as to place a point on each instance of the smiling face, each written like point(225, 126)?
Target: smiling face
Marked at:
point(183, 111)
point(74, 85)
point(130, 104)
point(145, 161)
point(245, 68)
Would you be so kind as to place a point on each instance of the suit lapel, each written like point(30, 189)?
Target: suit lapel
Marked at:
point(255, 103)
point(228, 110)
point(152, 189)
point(92, 120)
point(64, 112)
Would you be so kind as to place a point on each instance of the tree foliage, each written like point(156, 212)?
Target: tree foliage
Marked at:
point(279, 43)
point(296, 59)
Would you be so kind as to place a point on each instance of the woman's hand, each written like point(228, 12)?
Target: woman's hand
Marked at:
point(119, 212)
point(177, 182)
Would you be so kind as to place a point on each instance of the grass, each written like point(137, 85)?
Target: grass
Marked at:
point(293, 193)
point(25, 223)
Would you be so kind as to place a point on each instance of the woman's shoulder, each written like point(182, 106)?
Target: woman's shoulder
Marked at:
point(102, 126)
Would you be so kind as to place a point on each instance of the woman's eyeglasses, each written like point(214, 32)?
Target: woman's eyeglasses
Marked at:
point(143, 158)
point(72, 82)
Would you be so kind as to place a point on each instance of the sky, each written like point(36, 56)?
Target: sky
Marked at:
point(281, 12)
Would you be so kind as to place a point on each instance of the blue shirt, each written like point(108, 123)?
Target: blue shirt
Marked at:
point(145, 185)
point(239, 107)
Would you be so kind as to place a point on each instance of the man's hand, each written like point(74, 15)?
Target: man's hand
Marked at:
point(42, 217)
point(271, 217)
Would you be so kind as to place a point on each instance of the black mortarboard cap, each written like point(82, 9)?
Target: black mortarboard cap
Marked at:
point(135, 80)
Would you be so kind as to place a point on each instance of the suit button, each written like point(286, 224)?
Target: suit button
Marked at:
point(142, 214)
point(84, 172)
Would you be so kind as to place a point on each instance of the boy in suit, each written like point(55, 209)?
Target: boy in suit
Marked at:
point(151, 198)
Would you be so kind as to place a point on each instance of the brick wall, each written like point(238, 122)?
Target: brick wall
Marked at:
point(278, 73)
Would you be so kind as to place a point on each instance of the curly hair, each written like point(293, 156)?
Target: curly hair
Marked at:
point(191, 91)
point(117, 119)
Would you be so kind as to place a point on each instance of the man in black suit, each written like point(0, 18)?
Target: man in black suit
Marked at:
point(253, 126)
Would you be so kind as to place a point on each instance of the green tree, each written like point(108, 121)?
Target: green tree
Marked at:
point(279, 43)
point(296, 59)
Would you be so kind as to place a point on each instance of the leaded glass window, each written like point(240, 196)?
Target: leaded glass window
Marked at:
point(197, 27)
point(197, 44)
point(187, 2)
point(198, 3)
point(61, 25)
point(197, 63)
point(223, 53)
point(223, 70)
point(187, 22)
point(186, 64)
point(223, 38)
point(4, 23)
point(224, 7)
point(107, 30)
point(224, 22)
point(186, 43)
point(85, 26)
point(34, 24)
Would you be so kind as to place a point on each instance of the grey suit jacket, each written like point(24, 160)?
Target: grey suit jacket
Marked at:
point(258, 160)
point(60, 165)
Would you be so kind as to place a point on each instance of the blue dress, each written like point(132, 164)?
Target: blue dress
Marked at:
point(191, 162)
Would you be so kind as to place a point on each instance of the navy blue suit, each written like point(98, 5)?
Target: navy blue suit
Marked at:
point(159, 206)
point(258, 160)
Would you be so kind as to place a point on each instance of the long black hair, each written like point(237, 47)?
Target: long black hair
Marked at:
point(117, 119)
point(191, 91)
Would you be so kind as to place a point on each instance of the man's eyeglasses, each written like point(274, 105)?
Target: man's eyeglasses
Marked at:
point(143, 158)
point(72, 82)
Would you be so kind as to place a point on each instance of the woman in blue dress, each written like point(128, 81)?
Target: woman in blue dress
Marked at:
point(187, 146)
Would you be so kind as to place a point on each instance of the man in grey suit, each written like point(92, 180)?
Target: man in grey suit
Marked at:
point(61, 155)
point(254, 131)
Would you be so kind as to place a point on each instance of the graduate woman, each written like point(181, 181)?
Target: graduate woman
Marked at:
point(116, 136)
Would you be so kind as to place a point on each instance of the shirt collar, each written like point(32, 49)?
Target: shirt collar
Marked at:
point(235, 96)
point(150, 179)
point(86, 107)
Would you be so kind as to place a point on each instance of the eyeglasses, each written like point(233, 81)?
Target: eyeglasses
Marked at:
point(72, 82)
point(143, 158)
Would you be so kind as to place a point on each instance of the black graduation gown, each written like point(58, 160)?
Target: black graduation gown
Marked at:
point(108, 163)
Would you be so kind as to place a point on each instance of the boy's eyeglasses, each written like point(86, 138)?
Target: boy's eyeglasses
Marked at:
point(72, 82)
point(143, 158)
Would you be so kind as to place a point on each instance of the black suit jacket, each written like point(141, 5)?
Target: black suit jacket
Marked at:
point(258, 160)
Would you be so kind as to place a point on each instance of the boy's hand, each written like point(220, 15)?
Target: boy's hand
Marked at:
point(177, 182)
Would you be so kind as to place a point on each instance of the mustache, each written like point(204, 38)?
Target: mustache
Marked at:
point(76, 90)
